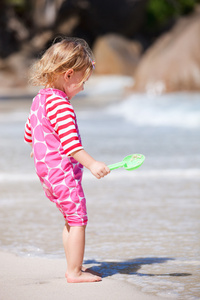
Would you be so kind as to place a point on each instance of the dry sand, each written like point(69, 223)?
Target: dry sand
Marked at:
point(27, 278)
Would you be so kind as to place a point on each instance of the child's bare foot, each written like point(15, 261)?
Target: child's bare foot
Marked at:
point(88, 270)
point(83, 277)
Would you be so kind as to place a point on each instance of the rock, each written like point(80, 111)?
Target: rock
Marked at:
point(173, 62)
point(115, 54)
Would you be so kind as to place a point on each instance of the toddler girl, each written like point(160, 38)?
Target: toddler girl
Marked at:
point(59, 157)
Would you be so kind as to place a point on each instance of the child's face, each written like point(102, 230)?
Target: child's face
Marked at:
point(72, 84)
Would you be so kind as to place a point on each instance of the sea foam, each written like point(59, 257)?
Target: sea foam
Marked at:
point(172, 110)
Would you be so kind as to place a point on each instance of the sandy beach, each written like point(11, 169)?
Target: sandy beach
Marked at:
point(41, 278)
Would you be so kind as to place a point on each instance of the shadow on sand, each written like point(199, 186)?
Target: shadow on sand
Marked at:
point(130, 267)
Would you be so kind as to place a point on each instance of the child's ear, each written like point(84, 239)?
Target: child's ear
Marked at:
point(68, 74)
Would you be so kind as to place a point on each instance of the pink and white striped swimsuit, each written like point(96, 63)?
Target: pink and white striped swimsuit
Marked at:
point(53, 131)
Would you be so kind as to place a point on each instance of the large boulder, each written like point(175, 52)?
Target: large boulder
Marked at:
point(115, 54)
point(173, 62)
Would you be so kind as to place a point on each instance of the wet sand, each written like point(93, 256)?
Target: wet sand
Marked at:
point(41, 278)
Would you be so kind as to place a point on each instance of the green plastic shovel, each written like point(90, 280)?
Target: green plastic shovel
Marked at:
point(130, 162)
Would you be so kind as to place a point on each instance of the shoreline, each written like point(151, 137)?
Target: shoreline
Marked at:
point(43, 278)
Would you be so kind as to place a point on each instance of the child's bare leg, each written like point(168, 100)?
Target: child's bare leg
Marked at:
point(65, 238)
point(74, 245)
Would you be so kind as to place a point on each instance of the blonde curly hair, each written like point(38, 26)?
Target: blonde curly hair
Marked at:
point(69, 53)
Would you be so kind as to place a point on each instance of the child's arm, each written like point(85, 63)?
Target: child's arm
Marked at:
point(97, 168)
point(31, 154)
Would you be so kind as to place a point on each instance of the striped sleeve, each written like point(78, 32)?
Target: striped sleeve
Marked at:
point(62, 118)
point(27, 132)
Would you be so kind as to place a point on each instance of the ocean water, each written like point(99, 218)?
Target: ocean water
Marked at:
point(143, 225)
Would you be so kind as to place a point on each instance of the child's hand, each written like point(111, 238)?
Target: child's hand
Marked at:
point(99, 169)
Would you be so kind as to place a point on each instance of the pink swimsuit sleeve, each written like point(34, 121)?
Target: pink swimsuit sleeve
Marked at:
point(27, 133)
point(62, 117)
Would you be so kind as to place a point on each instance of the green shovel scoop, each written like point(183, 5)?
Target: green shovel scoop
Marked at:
point(130, 162)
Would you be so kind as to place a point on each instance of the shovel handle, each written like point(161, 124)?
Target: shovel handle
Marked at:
point(116, 165)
